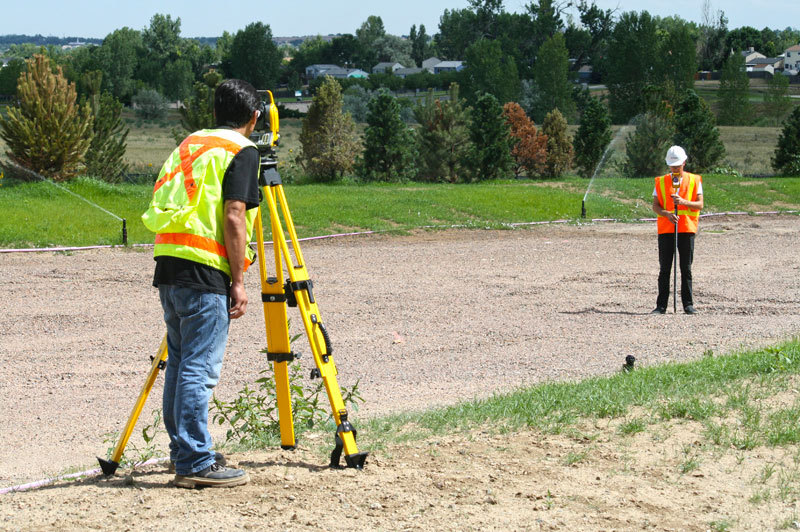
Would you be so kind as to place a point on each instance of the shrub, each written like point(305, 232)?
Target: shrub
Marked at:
point(150, 105)
point(646, 146)
point(559, 146)
point(787, 153)
point(47, 132)
point(105, 157)
point(529, 147)
point(355, 100)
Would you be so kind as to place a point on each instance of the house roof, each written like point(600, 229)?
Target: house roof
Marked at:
point(450, 64)
point(795, 48)
point(409, 70)
point(764, 61)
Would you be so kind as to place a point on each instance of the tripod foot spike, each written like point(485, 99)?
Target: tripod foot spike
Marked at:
point(109, 467)
point(288, 447)
point(356, 460)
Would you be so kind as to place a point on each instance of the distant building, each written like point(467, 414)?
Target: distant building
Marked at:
point(448, 66)
point(315, 71)
point(765, 64)
point(791, 59)
point(430, 63)
point(387, 68)
point(403, 72)
point(72, 45)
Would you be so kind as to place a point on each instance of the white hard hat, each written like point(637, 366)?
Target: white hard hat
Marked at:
point(676, 156)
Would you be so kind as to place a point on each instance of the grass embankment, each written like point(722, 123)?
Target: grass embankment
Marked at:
point(41, 214)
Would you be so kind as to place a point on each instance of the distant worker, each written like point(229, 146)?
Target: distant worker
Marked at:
point(202, 211)
point(688, 197)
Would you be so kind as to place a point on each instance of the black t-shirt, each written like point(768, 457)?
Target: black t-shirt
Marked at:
point(240, 183)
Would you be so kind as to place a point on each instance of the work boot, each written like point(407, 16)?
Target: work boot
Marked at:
point(658, 310)
point(689, 309)
point(214, 476)
point(218, 458)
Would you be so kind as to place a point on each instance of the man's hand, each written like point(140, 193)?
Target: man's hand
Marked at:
point(238, 301)
point(679, 200)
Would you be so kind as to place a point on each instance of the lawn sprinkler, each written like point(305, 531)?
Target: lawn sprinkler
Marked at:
point(583, 208)
point(628, 365)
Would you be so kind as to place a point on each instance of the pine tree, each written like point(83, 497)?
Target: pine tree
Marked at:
point(529, 147)
point(696, 131)
point(593, 137)
point(388, 142)
point(646, 146)
point(490, 135)
point(105, 157)
point(734, 93)
point(787, 154)
point(443, 137)
point(328, 137)
point(776, 100)
point(559, 146)
point(47, 131)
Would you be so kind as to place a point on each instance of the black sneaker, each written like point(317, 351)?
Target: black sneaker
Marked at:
point(659, 310)
point(689, 309)
point(218, 458)
point(214, 476)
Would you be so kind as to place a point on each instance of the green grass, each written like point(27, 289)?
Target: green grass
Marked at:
point(558, 406)
point(40, 214)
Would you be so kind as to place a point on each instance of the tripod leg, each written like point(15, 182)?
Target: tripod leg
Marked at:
point(159, 363)
point(302, 289)
point(278, 349)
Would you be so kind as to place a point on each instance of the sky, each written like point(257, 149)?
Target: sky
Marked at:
point(96, 19)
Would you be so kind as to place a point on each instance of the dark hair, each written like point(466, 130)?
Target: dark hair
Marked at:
point(234, 103)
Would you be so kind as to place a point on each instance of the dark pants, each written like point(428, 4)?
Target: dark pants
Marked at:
point(666, 251)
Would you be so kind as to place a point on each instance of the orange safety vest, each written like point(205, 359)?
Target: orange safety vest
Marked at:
point(687, 218)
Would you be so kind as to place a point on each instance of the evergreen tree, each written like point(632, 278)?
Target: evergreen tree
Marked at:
point(529, 147)
point(593, 137)
point(776, 100)
point(328, 137)
point(646, 146)
point(489, 132)
point(696, 131)
point(388, 142)
point(490, 71)
point(443, 137)
point(550, 72)
point(47, 131)
point(559, 146)
point(734, 92)
point(197, 111)
point(787, 154)
point(106, 154)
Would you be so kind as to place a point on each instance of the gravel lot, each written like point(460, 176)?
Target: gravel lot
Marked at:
point(419, 320)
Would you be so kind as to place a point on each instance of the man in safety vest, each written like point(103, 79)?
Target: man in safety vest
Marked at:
point(202, 211)
point(688, 197)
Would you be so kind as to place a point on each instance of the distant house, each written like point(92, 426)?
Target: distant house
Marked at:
point(430, 63)
point(72, 45)
point(448, 66)
point(356, 73)
point(315, 71)
point(403, 72)
point(585, 74)
point(751, 54)
point(388, 68)
point(791, 59)
point(765, 64)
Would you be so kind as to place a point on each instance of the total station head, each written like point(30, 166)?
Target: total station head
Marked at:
point(266, 135)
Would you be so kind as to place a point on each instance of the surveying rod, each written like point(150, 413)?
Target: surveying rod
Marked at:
point(676, 183)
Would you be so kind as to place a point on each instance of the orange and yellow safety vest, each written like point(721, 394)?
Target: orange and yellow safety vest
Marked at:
point(187, 209)
point(687, 218)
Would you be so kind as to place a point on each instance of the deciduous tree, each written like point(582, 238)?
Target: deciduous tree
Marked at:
point(734, 93)
point(254, 57)
point(551, 72)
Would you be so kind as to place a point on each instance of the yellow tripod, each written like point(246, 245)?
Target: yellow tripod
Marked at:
point(277, 294)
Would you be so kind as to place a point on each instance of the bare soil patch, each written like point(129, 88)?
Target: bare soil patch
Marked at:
point(478, 312)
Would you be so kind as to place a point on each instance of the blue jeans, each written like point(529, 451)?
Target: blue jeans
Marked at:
point(197, 331)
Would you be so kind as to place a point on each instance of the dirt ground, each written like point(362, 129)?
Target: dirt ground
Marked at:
point(418, 321)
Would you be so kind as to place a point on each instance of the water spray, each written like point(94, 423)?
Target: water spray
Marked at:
point(27, 171)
